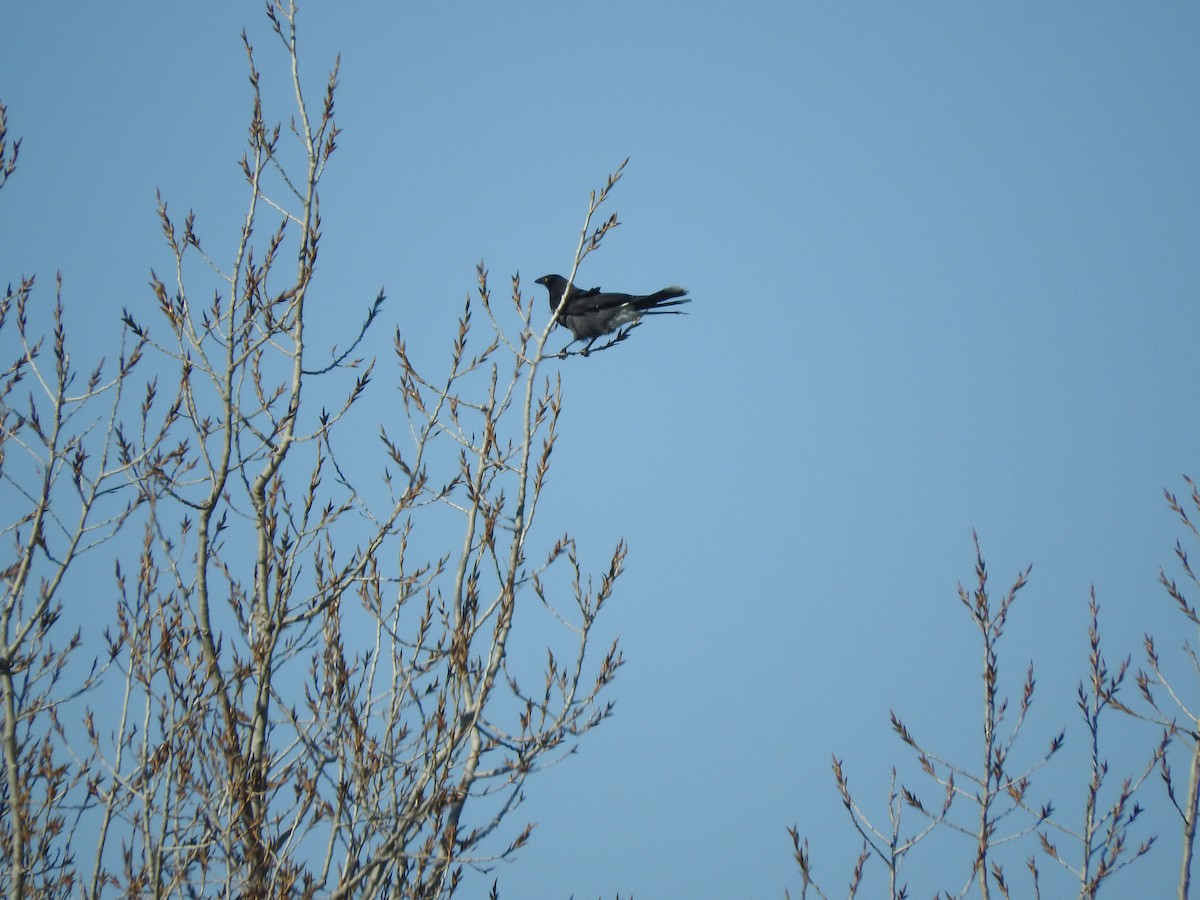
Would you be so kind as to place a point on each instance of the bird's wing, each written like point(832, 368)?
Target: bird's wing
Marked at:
point(577, 293)
point(594, 301)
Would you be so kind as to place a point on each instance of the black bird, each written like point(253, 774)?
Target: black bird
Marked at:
point(592, 314)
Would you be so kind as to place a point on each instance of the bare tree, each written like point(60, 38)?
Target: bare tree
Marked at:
point(1103, 838)
point(992, 793)
point(65, 488)
point(996, 794)
point(1168, 706)
point(316, 689)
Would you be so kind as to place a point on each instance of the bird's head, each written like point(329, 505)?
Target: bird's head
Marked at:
point(556, 285)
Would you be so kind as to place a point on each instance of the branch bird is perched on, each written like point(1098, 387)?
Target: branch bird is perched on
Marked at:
point(592, 314)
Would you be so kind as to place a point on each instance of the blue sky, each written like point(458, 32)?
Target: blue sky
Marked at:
point(945, 269)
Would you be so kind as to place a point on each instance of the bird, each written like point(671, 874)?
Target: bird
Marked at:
point(591, 314)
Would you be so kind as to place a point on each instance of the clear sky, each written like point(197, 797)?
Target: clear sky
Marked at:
point(946, 267)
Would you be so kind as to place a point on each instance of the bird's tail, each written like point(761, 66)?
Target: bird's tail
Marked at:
point(665, 297)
